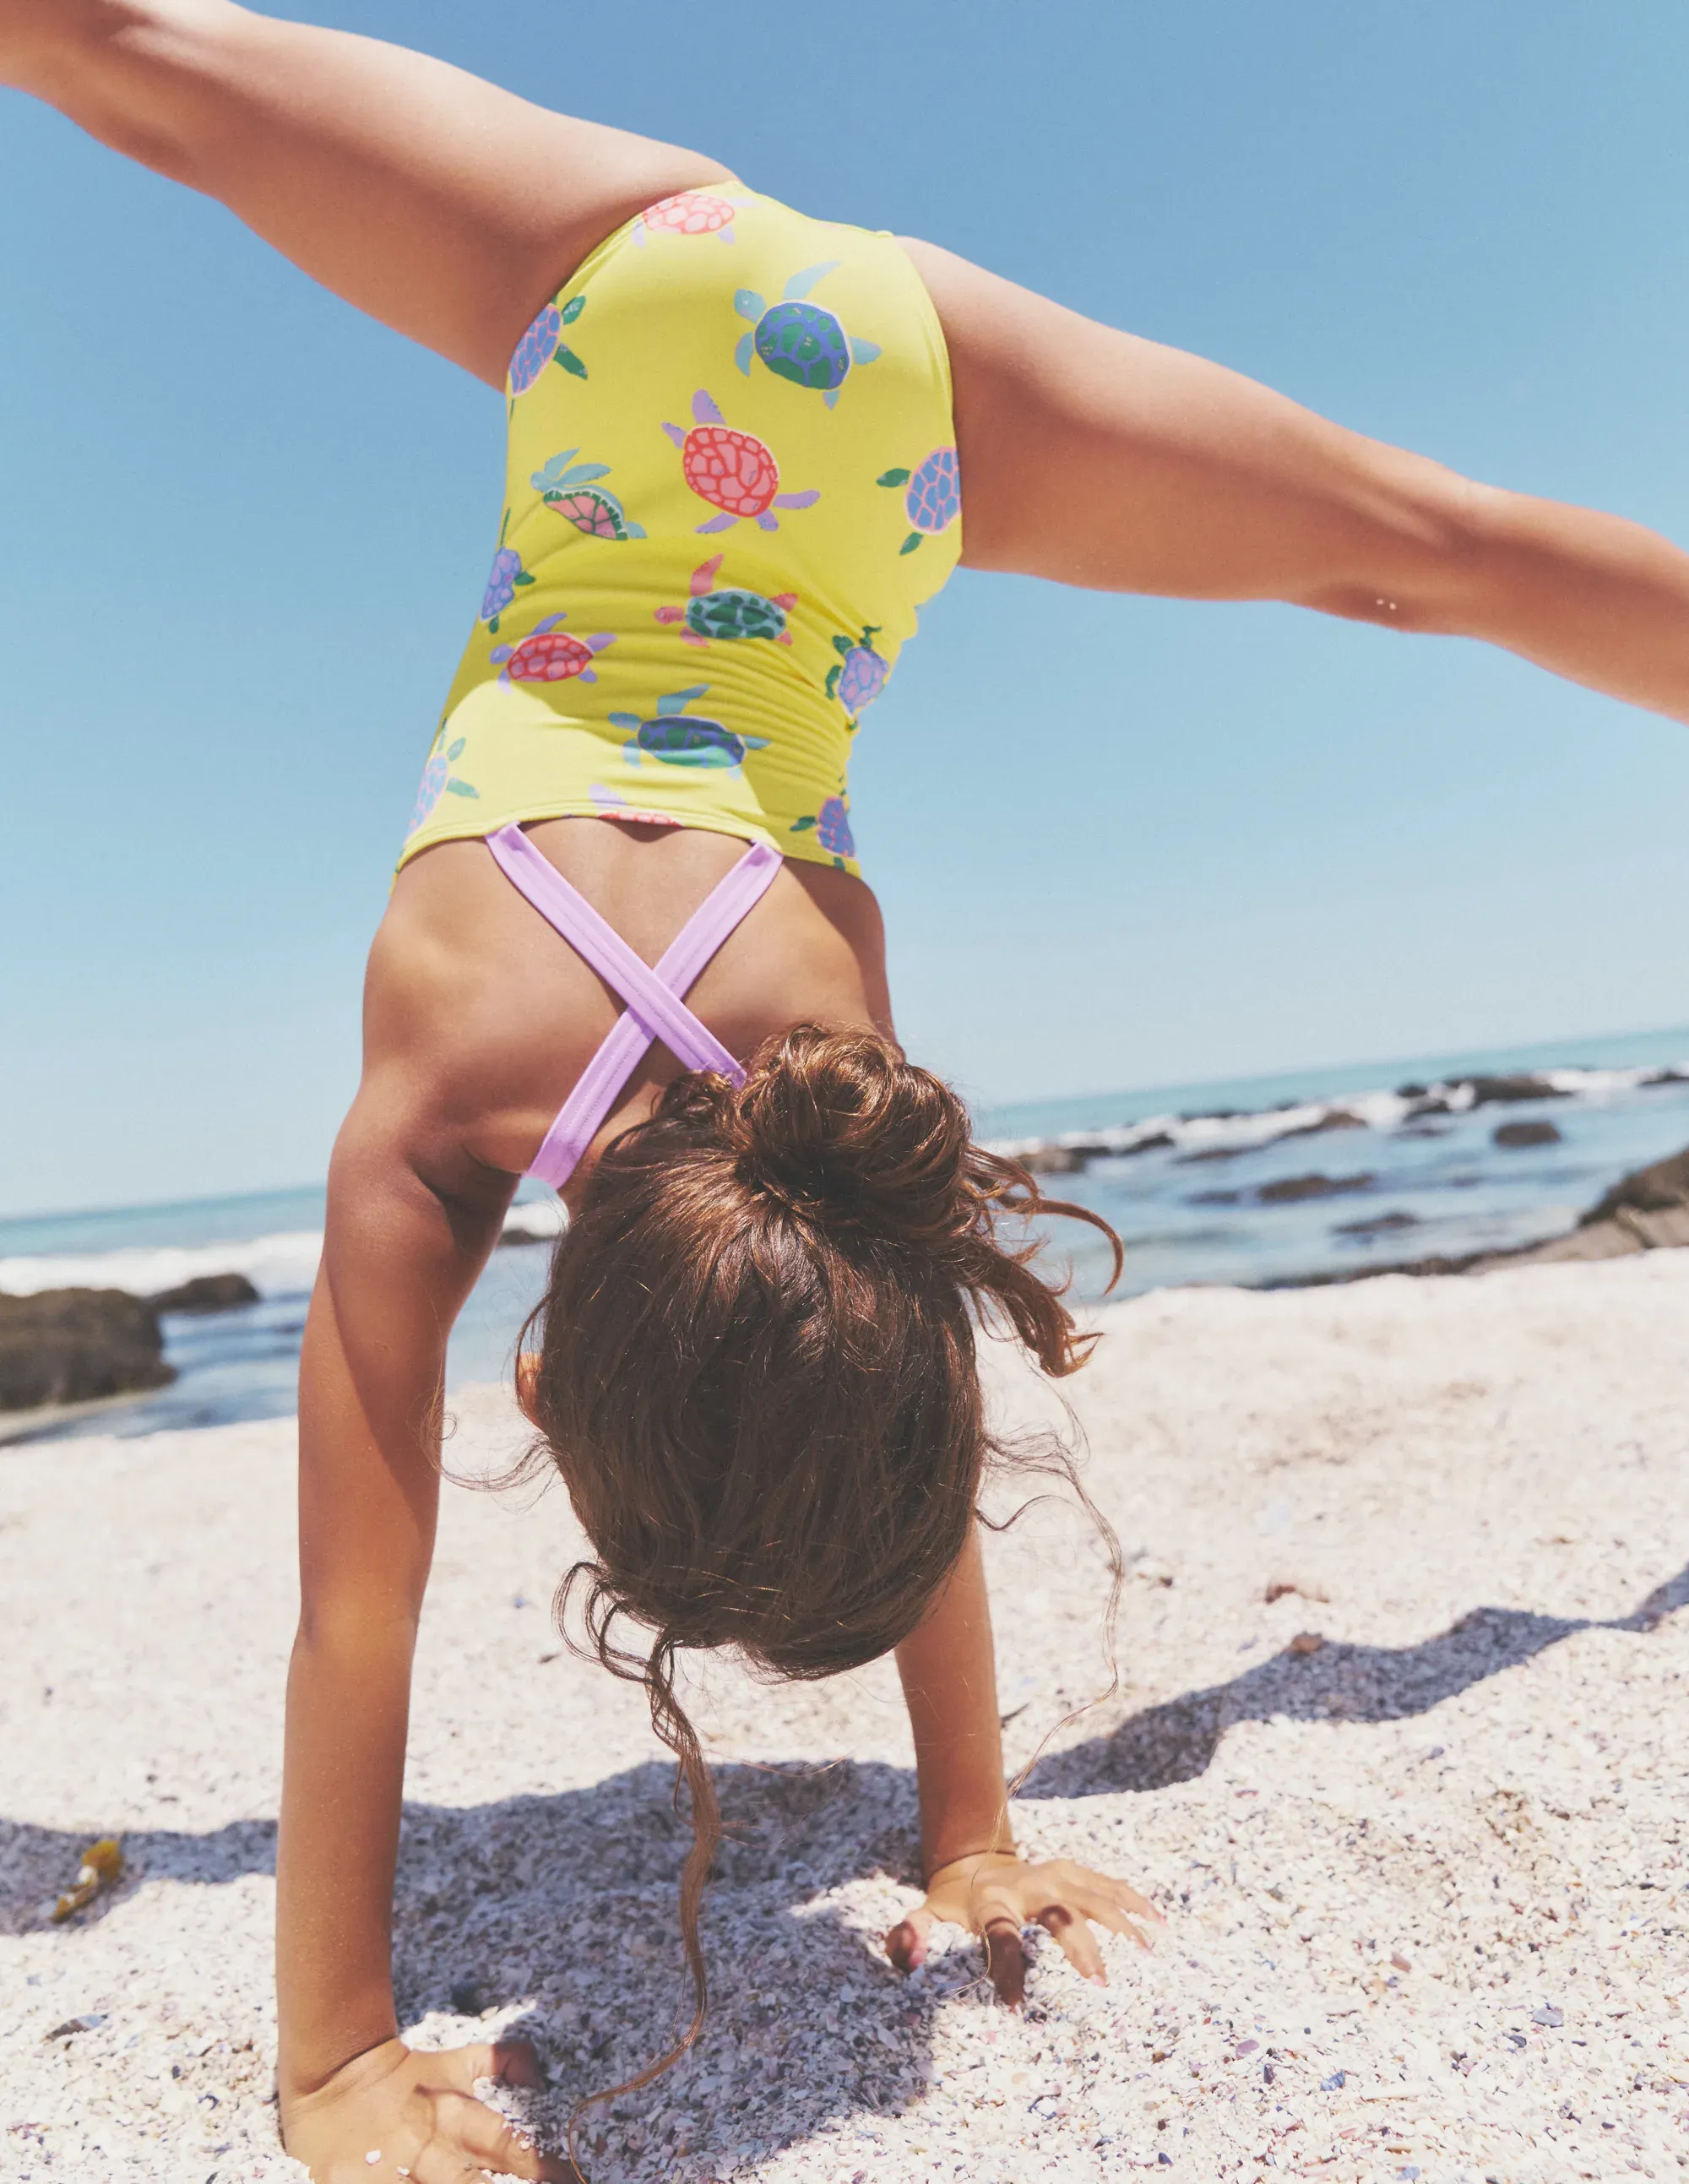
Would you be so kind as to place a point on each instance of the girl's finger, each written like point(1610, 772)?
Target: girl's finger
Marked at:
point(1107, 1913)
point(1006, 1958)
point(1140, 1906)
point(1073, 1936)
point(510, 2062)
point(516, 2063)
point(483, 2139)
point(906, 1942)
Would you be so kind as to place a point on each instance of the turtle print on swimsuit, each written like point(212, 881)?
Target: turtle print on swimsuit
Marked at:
point(678, 738)
point(627, 441)
point(732, 471)
point(544, 344)
point(690, 212)
point(800, 341)
point(933, 501)
point(570, 489)
point(730, 613)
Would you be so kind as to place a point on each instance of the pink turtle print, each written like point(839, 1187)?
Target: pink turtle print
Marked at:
point(549, 655)
point(689, 212)
point(732, 471)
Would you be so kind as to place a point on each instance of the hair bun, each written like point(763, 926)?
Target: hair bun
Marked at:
point(840, 1126)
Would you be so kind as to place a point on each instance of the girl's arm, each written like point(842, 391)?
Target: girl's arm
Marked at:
point(399, 1258)
point(1160, 472)
point(973, 1876)
point(438, 204)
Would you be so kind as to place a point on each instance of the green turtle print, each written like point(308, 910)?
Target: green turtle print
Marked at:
point(570, 489)
point(730, 613)
point(800, 341)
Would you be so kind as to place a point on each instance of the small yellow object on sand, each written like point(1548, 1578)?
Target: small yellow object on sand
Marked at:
point(102, 1865)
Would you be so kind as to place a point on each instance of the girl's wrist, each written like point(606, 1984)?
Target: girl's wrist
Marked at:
point(975, 1858)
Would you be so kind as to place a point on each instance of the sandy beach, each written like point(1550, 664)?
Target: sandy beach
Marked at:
point(1400, 1749)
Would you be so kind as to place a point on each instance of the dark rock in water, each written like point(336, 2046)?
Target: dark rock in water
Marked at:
point(1289, 1189)
point(77, 1346)
point(1156, 1142)
point(1214, 1198)
point(1491, 1091)
point(1517, 1135)
point(207, 1293)
point(1648, 1211)
point(1376, 1224)
point(1340, 1119)
point(1428, 1106)
point(1213, 1153)
point(1412, 1091)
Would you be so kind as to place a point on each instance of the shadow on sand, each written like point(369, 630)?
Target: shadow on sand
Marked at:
point(567, 1901)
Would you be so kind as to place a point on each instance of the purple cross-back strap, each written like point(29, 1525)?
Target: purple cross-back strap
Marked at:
point(655, 1008)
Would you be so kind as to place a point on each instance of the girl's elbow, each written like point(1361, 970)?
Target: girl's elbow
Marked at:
point(1436, 558)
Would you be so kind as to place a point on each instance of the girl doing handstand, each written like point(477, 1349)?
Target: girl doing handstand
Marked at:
point(744, 446)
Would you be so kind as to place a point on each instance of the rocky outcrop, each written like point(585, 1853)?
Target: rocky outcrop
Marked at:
point(207, 1293)
point(1646, 1211)
point(1514, 1136)
point(77, 1346)
point(1292, 1190)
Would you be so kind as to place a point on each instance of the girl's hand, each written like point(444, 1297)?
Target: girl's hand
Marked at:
point(995, 1895)
point(419, 2113)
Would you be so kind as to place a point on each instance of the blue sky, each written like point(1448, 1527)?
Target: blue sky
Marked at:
point(242, 535)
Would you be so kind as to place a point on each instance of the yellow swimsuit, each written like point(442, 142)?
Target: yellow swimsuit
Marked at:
point(731, 481)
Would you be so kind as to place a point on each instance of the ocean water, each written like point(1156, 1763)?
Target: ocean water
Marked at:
point(1193, 1177)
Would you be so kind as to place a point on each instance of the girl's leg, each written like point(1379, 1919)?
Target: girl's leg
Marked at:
point(1093, 458)
point(440, 204)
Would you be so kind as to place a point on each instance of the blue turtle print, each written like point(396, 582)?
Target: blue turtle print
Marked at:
point(677, 737)
point(798, 341)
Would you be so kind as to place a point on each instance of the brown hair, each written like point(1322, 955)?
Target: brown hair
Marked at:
point(756, 1374)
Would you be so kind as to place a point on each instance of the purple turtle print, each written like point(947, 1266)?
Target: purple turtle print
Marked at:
point(438, 780)
point(859, 675)
point(506, 575)
point(933, 499)
point(832, 825)
point(544, 344)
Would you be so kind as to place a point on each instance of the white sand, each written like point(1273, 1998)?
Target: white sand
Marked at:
point(1424, 1883)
